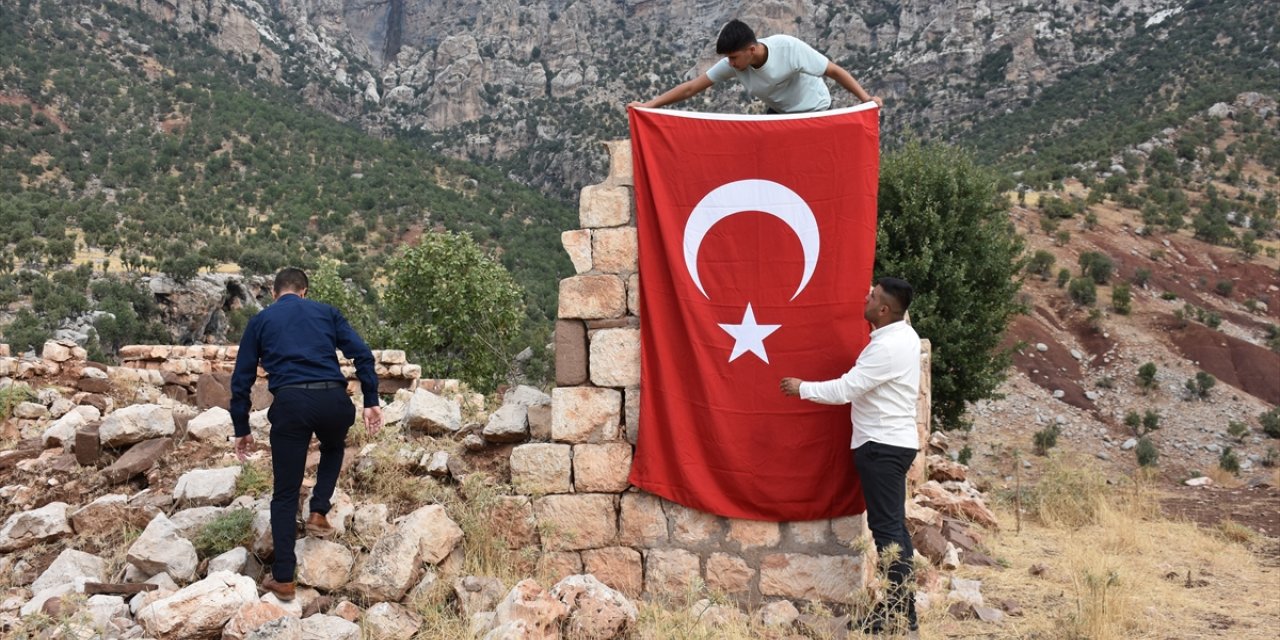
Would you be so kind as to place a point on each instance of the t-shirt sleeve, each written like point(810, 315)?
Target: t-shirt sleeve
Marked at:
point(721, 71)
point(807, 59)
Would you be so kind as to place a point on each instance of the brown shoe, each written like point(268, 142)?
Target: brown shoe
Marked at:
point(317, 525)
point(283, 590)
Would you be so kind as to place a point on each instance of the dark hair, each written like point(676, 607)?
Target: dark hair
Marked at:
point(291, 279)
point(899, 290)
point(734, 36)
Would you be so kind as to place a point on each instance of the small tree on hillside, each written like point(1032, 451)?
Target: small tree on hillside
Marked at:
point(455, 309)
point(945, 228)
point(1147, 376)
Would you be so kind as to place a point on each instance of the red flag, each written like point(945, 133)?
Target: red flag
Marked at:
point(756, 239)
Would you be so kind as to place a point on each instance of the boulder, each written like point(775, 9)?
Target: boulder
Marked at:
point(135, 423)
point(161, 548)
point(213, 425)
point(391, 621)
point(69, 565)
point(62, 433)
point(510, 423)
point(323, 627)
point(596, 612)
point(200, 609)
point(207, 486)
point(529, 612)
point(427, 535)
point(433, 414)
point(475, 594)
point(27, 528)
point(137, 460)
point(251, 617)
point(237, 560)
point(323, 564)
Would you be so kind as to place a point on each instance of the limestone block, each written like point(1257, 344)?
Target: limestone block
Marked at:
point(631, 413)
point(540, 422)
point(601, 468)
point(474, 594)
point(135, 423)
point(577, 243)
point(329, 628)
point(592, 297)
point(207, 486)
point(642, 522)
point(752, 534)
point(576, 522)
point(252, 618)
point(433, 414)
point(620, 169)
point(850, 530)
point(621, 568)
point(805, 577)
point(729, 573)
point(237, 560)
point(190, 521)
point(322, 564)
point(512, 518)
point(809, 532)
point(161, 548)
point(779, 613)
point(585, 414)
point(27, 528)
point(57, 350)
point(602, 205)
point(137, 460)
point(528, 611)
point(62, 433)
point(595, 609)
point(392, 356)
point(571, 352)
point(615, 358)
point(391, 621)
point(200, 609)
point(690, 526)
point(69, 565)
point(214, 425)
point(554, 566)
point(614, 250)
point(541, 468)
point(426, 535)
point(633, 294)
point(510, 423)
point(30, 411)
point(669, 572)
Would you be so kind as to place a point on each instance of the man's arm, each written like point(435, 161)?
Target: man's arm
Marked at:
point(243, 377)
point(354, 347)
point(845, 79)
point(874, 367)
point(680, 93)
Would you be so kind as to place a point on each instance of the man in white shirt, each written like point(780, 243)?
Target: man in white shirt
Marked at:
point(882, 388)
point(783, 72)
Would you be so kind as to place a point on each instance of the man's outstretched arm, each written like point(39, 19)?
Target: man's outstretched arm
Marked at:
point(680, 93)
point(845, 79)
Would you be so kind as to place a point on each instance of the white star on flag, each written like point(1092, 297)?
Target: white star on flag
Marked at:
point(749, 336)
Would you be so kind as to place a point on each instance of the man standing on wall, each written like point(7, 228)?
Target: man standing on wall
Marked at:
point(296, 340)
point(782, 71)
point(882, 388)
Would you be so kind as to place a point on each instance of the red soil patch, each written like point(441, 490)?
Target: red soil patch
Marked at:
point(1255, 507)
point(14, 101)
point(1243, 365)
point(1053, 369)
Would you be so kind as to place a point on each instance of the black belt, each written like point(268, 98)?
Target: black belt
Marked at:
point(314, 385)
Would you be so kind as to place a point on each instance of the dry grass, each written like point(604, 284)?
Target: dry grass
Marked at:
point(1117, 570)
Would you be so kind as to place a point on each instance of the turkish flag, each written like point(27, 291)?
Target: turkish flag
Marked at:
point(756, 242)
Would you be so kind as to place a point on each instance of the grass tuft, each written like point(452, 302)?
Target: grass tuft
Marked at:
point(224, 533)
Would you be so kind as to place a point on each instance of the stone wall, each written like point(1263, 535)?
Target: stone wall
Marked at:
point(588, 517)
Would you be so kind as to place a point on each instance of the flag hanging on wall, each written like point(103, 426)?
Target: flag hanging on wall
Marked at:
point(756, 243)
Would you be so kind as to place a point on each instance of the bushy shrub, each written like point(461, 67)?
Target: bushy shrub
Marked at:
point(1146, 452)
point(1083, 291)
point(1270, 422)
point(1046, 439)
point(1147, 376)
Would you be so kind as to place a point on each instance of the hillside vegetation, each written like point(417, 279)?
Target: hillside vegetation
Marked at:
point(131, 147)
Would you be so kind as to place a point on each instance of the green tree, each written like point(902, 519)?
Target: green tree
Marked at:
point(1121, 299)
point(1146, 452)
point(455, 309)
point(944, 227)
point(26, 332)
point(1082, 291)
point(1041, 264)
point(1147, 376)
point(326, 285)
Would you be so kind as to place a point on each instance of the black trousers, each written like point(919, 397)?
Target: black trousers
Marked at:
point(296, 415)
point(883, 470)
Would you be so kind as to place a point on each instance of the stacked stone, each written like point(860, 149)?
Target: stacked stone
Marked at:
point(57, 356)
point(183, 365)
point(580, 506)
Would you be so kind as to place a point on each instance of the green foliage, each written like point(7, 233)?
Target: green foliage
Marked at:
point(1147, 376)
point(1041, 264)
point(965, 455)
point(1141, 276)
point(361, 309)
point(455, 309)
point(1064, 275)
point(1150, 421)
point(1237, 429)
point(254, 479)
point(224, 533)
point(1121, 299)
point(1097, 266)
point(1045, 439)
point(1082, 291)
point(1146, 452)
point(945, 229)
point(1269, 420)
point(12, 396)
point(1224, 287)
point(1228, 461)
point(1198, 387)
point(1133, 420)
point(26, 332)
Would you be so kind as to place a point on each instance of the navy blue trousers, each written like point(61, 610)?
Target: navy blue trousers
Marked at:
point(296, 415)
point(883, 471)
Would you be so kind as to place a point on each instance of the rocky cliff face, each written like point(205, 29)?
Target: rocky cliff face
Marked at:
point(534, 83)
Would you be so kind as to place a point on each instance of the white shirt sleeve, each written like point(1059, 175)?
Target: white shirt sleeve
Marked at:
point(875, 366)
point(720, 71)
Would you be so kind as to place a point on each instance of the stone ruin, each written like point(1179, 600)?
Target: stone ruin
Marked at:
point(569, 454)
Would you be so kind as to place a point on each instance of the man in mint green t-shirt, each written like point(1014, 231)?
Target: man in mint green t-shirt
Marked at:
point(783, 72)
